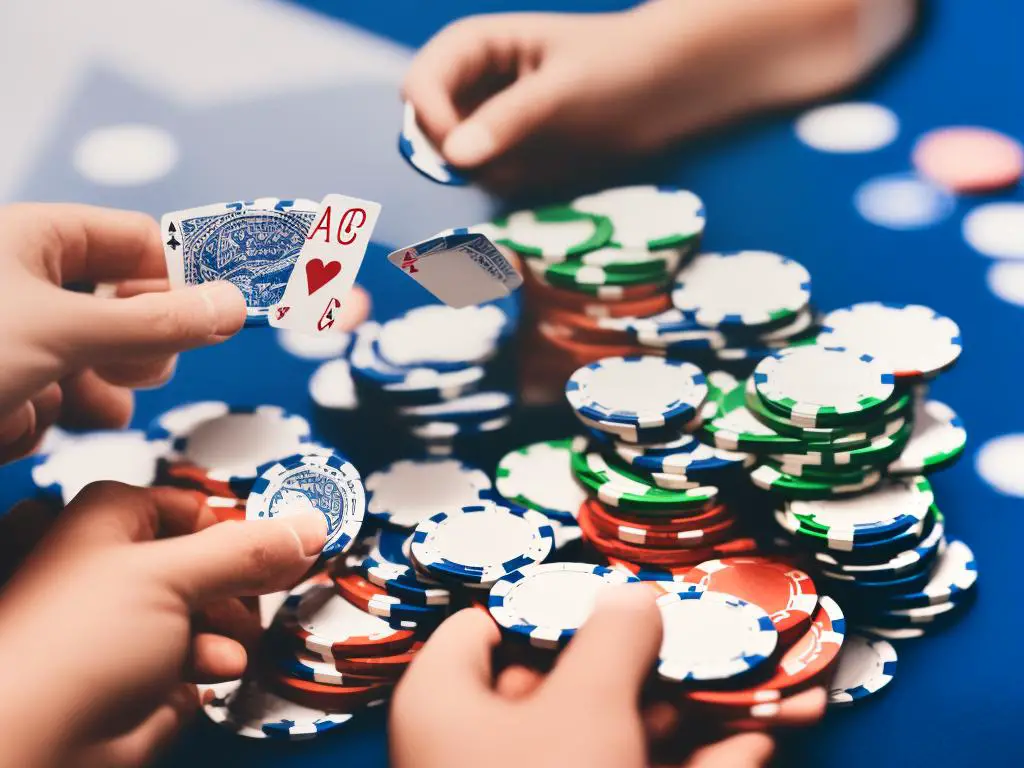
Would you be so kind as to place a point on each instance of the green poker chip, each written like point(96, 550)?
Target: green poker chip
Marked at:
point(577, 276)
point(879, 452)
point(817, 474)
point(937, 441)
point(629, 491)
point(648, 217)
point(556, 232)
point(539, 476)
point(768, 478)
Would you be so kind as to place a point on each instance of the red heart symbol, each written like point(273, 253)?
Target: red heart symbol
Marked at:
point(319, 274)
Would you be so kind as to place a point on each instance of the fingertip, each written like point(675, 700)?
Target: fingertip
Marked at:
point(309, 527)
point(225, 305)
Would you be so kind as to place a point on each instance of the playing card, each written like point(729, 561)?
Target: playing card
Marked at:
point(461, 267)
point(252, 243)
point(327, 265)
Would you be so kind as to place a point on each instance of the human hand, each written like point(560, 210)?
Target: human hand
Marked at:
point(72, 357)
point(132, 596)
point(587, 711)
point(534, 99)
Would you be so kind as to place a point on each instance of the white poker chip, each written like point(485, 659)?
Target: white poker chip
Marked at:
point(816, 386)
point(896, 505)
point(643, 391)
point(913, 340)
point(712, 636)
point(546, 604)
point(439, 336)
point(475, 406)
point(865, 667)
point(324, 482)
point(421, 154)
point(539, 476)
point(76, 460)
point(742, 289)
point(231, 442)
point(406, 492)
point(937, 440)
point(648, 217)
point(955, 576)
point(446, 431)
point(319, 346)
point(554, 234)
point(246, 708)
point(332, 387)
point(481, 543)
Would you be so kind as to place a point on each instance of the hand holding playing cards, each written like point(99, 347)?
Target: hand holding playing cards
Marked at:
point(73, 357)
point(531, 99)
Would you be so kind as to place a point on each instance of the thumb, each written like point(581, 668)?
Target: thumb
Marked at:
point(626, 626)
point(503, 121)
point(164, 323)
point(244, 558)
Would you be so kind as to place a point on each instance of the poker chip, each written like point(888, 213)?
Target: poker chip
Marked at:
point(810, 657)
point(936, 442)
point(374, 600)
point(387, 666)
point(954, 579)
point(906, 561)
point(648, 217)
point(769, 478)
point(126, 456)
point(481, 543)
point(305, 666)
point(479, 406)
point(350, 698)
point(332, 387)
point(822, 386)
point(913, 341)
point(700, 530)
point(546, 604)
point(327, 483)
point(320, 346)
point(406, 492)
point(786, 594)
point(649, 573)
point(395, 574)
point(329, 626)
point(228, 445)
point(744, 288)
point(539, 476)
point(441, 337)
point(246, 708)
point(969, 159)
point(644, 391)
point(554, 233)
point(420, 152)
point(693, 459)
point(712, 636)
point(623, 489)
point(864, 668)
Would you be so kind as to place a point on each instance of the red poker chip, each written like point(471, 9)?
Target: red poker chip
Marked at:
point(583, 353)
point(185, 474)
point(390, 667)
point(661, 535)
point(804, 664)
point(330, 698)
point(787, 594)
point(355, 588)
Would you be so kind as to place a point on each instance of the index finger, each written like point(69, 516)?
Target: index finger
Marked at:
point(68, 243)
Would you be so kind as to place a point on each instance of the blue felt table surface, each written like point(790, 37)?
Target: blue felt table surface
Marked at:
point(955, 692)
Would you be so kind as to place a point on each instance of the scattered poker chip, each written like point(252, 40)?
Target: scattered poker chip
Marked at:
point(937, 440)
point(969, 159)
point(864, 668)
point(648, 217)
point(481, 543)
point(643, 391)
point(479, 406)
point(126, 456)
point(408, 491)
point(618, 487)
point(893, 507)
point(539, 476)
point(712, 636)
point(442, 337)
point(912, 340)
point(818, 386)
point(814, 654)
point(329, 626)
point(555, 233)
point(546, 604)
point(420, 152)
point(228, 445)
point(786, 593)
point(745, 289)
point(246, 708)
point(953, 579)
point(327, 483)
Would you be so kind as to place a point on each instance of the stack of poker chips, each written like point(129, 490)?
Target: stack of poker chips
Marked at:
point(655, 492)
point(599, 258)
point(438, 381)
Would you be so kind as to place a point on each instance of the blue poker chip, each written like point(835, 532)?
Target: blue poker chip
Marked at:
point(303, 665)
point(735, 636)
point(865, 666)
point(908, 561)
point(323, 481)
point(475, 407)
point(546, 604)
point(693, 458)
point(479, 544)
point(406, 492)
point(422, 155)
point(645, 392)
point(388, 566)
point(953, 580)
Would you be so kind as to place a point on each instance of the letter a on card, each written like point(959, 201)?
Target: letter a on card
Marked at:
point(327, 265)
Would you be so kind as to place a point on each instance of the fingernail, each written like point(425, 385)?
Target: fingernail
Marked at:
point(468, 145)
point(311, 528)
point(225, 306)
